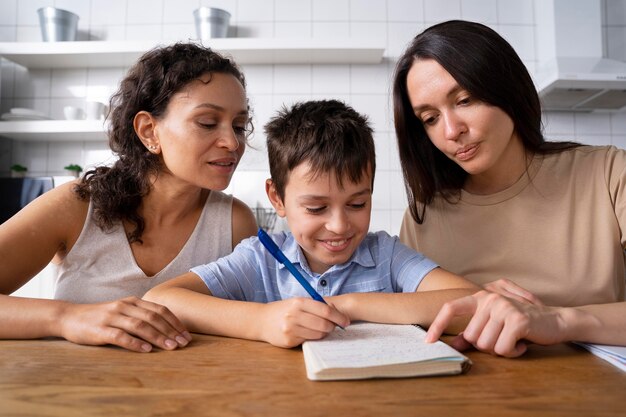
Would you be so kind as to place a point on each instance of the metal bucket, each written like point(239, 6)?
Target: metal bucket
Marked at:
point(211, 22)
point(57, 25)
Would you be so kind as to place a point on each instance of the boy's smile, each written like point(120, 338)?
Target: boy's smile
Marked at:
point(328, 220)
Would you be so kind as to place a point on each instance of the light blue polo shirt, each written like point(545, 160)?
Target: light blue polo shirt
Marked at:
point(250, 273)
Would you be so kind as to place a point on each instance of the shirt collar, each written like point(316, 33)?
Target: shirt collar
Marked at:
point(362, 256)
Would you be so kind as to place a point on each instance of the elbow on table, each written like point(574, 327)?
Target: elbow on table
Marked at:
point(156, 295)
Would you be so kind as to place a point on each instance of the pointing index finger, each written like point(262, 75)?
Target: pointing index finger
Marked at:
point(450, 310)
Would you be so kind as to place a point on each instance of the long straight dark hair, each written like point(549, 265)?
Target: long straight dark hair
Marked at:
point(485, 65)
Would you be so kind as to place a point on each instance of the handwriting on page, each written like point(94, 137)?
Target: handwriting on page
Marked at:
point(366, 344)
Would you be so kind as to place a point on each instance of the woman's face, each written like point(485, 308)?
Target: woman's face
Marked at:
point(202, 133)
point(477, 136)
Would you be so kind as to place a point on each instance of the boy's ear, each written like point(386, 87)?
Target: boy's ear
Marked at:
point(145, 127)
point(276, 201)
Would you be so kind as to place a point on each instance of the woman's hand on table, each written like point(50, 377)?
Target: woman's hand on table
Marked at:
point(130, 323)
point(499, 325)
point(512, 290)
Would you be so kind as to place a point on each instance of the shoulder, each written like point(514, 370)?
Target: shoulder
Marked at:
point(243, 221)
point(58, 216)
point(63, 202)
point(585, 155)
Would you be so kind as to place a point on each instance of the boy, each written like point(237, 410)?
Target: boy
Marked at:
point(322, 164)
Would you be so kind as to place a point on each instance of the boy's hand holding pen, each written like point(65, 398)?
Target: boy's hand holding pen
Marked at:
point(271, 246)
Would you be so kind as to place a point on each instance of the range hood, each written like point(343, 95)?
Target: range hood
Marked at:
point(572, 73)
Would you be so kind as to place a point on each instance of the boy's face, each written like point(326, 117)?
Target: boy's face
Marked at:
point(328, 221)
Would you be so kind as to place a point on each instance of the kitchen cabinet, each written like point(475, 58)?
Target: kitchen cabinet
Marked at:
point(102, 54)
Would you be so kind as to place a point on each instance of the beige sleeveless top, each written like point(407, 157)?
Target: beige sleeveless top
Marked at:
point(101, 266)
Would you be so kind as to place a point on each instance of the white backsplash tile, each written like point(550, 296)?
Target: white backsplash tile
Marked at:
point(143, 32)
point(385, 146)
point(181, 11)
point(61, 154)
point(293, 30)
point(483, 11)
point(521, 38)
point(436, 11)
point(559, 123)
point(396, 221)
point(255, 11)
point(144, 12)
point(8, 33)
point(516, 12)
point(331, 79)
point(618, 123)
point(108, 12)
point(27, 11)
point(330, 30)
point(400, 36)
point(255, 29)
point(292, 79)
point(405, 10)
point(331, 10)
point(380, 220)
point(369, 79)
point(370, 11)
point(381, 198)
point(292, 10)
point(68, 83)
point(369, 30)
point(32, 83)
point(375, 107)
point(592, 124)
point(262, 110)
point(8, 16)
point(398, 196)
point(97, 153)
point(28, 34)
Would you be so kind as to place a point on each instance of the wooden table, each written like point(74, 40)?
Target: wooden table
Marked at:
point(231, 377)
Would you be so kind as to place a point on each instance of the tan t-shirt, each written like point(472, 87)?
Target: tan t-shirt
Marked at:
point(557, 232)
point(101, 266)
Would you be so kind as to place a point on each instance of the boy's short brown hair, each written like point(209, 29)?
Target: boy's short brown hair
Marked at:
point(328, 134)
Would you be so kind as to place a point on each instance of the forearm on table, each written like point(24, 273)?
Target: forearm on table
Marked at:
point(598, 323)
point(401, 308)
point(30, 318)
point(207, 314)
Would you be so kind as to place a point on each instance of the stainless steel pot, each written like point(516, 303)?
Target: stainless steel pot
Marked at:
point(57, 25)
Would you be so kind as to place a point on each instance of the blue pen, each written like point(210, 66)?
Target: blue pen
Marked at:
point(273, 248)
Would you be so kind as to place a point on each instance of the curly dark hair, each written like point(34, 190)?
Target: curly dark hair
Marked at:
point(117, 191)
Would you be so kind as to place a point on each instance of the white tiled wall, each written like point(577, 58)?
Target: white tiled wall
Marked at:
point(365, 87)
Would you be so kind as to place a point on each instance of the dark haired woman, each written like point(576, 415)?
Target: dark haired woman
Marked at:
point(490, 198)
point(179, 124)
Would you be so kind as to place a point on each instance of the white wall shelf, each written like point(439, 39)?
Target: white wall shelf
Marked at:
point(54, 130)
point(103, 54)
point(91, 54)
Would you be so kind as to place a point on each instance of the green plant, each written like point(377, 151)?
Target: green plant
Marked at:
point(18, 168)
point(74, 167)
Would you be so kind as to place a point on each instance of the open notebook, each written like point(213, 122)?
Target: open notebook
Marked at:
point(370, 350)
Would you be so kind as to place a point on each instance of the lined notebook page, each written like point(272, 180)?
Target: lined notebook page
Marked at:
point(371, 344)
